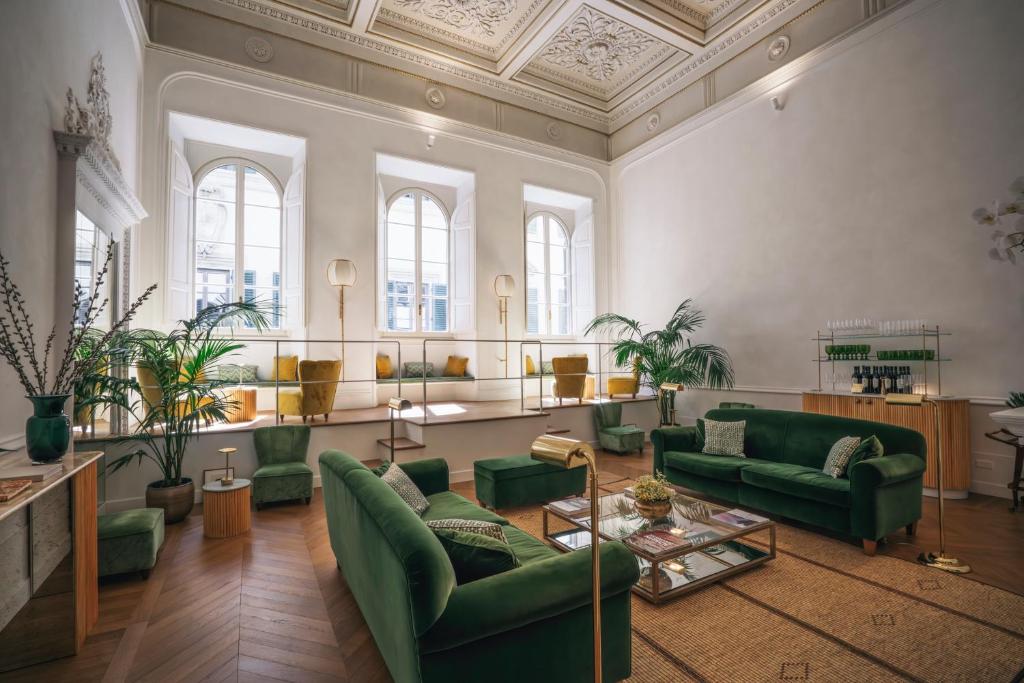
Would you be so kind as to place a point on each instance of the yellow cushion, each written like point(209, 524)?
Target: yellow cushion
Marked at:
point(531, 368)
point(456, 366)
point(384, 368)
point(286, 369)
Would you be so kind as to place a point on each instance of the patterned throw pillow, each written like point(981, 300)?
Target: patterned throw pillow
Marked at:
point(547, 368)
point(243, 374)
point(415, 369)
point(471, 526)
point(839, 456)
point(724, 438)
point(397, 479)
point(870, 447)
point(475, 556)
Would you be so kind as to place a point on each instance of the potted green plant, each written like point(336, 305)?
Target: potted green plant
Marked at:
point(179, 395)
point(667, 356)
point(48, 430)
point(652, 496)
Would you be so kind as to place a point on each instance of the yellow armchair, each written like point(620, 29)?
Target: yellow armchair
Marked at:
point(152, 394)
point(570, 377)
point(318, 384)
point(625, 384)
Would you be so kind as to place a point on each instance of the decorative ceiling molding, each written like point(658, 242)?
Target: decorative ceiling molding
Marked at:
point(598, 46)
point(479, 17)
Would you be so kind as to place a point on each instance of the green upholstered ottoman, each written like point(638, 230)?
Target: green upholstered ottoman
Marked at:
point(521, 480)
point(130, 540)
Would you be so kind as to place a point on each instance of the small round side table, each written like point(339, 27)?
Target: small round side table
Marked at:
point(226, 510)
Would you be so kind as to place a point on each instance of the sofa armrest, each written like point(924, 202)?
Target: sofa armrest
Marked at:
point(875, 473)
point(671, 439)
point(538, 591)
point(431, 476)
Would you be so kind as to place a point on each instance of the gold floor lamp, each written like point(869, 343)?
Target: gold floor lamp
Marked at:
point(341, 273)
point(937, 560)
point(504, 288)
point(557, 450)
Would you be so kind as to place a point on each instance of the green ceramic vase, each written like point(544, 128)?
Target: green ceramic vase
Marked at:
point(48, 431)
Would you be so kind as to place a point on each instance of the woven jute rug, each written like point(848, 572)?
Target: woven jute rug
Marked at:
point(824, 611)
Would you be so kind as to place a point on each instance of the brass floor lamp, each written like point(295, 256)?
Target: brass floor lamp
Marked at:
point(567, 453)
point(937, 560)
point(341, 273)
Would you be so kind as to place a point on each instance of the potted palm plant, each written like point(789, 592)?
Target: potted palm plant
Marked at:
point(180, 395)
point(667, 356)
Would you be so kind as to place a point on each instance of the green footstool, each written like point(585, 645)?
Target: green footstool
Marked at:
point(521, 480)
point(130, 540)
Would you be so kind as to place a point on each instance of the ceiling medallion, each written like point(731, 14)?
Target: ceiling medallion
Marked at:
point(596, 45)
point(435, 98)
point(554, 130)
point(259, 49)
point(778, 48)
point(653, 121)
point(477, 16)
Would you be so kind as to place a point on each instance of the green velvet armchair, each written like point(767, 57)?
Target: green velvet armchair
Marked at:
point(612, 434)
point(283, 473)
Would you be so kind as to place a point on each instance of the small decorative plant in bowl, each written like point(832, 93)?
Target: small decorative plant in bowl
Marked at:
point(652, 496)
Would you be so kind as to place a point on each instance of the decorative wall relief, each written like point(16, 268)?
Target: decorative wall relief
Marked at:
point(93, 118)
point(435, 97)
point(477, 16)
point(554, 130)
point(596, 45)
point(259, 49)
point(778, 48)
point(653, 121)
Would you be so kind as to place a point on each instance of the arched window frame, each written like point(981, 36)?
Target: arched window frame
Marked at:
point(549, 216)
point(275, 317)
point(418, 327)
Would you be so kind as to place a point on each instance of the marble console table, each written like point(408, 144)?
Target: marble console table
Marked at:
point(48, 563)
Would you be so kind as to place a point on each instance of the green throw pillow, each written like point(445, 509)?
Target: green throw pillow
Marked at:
point(475, 556)
point(870, 447)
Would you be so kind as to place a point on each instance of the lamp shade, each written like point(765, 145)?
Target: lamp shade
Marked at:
point(504, 285)
point(399, 404)
point(341, 273)
point(560, 451)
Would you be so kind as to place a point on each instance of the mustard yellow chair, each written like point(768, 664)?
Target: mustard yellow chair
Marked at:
point(318, 384)
point(570, 377)
point(152, 395)
point(625, 384)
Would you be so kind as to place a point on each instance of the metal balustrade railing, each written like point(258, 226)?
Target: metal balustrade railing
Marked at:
point(600, 349)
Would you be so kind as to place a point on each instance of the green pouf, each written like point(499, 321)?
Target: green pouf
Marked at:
point(521, 480)
point(130, 540)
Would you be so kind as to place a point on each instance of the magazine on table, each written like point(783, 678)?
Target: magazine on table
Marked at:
point(739, 518)
point(658, 540)
point(570, 505)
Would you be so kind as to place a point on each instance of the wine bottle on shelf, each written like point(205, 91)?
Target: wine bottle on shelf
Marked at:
point(899, 380)
point(871, 380)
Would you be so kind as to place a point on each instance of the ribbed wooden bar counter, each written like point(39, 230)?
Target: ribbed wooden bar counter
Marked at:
point(955, 430)
point(226, 509)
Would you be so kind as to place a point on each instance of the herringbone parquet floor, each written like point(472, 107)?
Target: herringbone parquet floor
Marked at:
point(269, 605)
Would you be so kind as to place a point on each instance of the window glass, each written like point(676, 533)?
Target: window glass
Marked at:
point(417, 264)
point(548, 306)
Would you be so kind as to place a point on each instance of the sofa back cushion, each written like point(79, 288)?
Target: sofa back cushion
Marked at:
point(765, 434)
point(810, 436)
point(396, 568)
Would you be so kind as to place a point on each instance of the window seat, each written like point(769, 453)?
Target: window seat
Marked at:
point(430, 379)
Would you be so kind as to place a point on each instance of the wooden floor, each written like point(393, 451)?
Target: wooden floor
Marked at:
point(271, 605)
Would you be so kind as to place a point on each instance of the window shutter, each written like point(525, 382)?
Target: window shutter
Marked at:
point(178, 303)
point(294, 219)
point(382, 266)
point(583, 299)
point(463, 266)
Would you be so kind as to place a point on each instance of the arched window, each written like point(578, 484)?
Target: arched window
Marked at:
point(548, 304)
point(238, 236)
point(416, 264)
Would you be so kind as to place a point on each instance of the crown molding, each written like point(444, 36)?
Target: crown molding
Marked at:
point(136, 26)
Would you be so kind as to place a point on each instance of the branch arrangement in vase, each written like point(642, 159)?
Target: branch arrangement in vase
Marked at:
point(1006, 244)
point(30, 358)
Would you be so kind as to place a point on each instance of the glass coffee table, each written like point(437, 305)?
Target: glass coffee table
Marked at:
point(694, 544)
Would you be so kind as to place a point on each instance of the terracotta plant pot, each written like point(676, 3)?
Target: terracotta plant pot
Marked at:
point(653, 510)
point(176, 501)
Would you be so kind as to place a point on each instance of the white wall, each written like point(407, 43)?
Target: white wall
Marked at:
point(46, 46)
point(854, 201)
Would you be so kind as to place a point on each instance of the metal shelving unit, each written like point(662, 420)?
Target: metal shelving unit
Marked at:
point(929, 337)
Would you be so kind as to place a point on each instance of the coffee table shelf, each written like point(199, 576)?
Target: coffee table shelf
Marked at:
point(701, 549)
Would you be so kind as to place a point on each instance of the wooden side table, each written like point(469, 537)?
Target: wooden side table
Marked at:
point(226, 509)
point(244, 408)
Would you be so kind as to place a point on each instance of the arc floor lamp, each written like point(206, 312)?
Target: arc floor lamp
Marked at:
point(341, 273)
point(567, 453)
point(938, 560)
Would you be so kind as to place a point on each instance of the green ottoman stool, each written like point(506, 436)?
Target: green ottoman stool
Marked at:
point(130, 540)
point(521, 480)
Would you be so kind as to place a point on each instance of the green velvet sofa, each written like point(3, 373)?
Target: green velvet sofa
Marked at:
point(530, 623)
point(782, 473)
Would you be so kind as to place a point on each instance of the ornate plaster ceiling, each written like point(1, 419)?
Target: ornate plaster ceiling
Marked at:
point(598, 63)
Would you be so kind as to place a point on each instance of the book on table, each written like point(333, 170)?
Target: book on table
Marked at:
point(12, 487)
point(18, 466)
point(739, 518)
point(571, 505)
